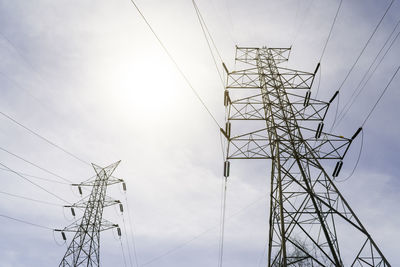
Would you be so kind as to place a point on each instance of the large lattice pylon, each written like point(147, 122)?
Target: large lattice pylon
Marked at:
point(271, 115)
point(84, 249)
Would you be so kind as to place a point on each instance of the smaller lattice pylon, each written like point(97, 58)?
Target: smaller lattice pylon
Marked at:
point(84, 249)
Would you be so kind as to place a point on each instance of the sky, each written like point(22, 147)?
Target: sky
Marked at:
point(91, 77)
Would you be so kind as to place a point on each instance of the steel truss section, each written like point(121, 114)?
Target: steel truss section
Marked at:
point(252, 108)
point(84, 249)
point(308, 214)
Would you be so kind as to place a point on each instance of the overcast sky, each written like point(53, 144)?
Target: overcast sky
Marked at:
point(90, 76)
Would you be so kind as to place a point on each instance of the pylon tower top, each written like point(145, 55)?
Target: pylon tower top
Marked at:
point(84, 249)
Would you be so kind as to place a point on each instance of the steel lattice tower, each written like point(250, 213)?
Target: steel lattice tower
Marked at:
point(84, 249)
point(311, 224)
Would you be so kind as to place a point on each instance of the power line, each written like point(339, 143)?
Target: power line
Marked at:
point(168, 252)
point(330, 31)
point(20, 124)
point(365, 45)
point(123, 253)
point(208, 32)
point(358, 159)
point(222, 229)
point(43, 138)
point(359, 56)
point(37, 177)
point(127, 240)
point(223, 201)
point(132, 231)
point(360, 88)
point(222, 206)
point(26, 222)
point(30, 199)
point(380, 97)
point(35, 165)
point(175, 64)
point(326, 44)
point(204, 29)
point(35, 184)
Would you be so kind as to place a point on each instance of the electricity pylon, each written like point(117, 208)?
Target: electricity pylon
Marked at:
point(310, 222)
point(84, 249)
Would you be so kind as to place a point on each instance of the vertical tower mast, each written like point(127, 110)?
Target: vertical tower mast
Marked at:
point(308, 215)
point(84, 249)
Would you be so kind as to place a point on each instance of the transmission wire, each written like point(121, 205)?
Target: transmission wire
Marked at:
point(365, 120)
point(221, 252)
point(208, 32)
point(223, 200)
point(35, 165)
point(127, 240)
point(132, 230)
point(201, 234)
point(30, 199)
point(26, 222)
point(365, 45)
point(380, 97)
point(37, 177)
point(360, 88)
point(123, 252)
point(330, 31)
point(20, 124)
point(35, 184)
point(326, 43)
point(359, 56)
point(204, 28)
point(175, 64)
point(43, 138)
point(358, 159)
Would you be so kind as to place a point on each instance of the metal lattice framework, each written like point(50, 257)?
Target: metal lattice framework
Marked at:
point(84, 249)
point(308, 214)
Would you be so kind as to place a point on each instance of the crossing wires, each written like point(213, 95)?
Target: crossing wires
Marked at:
point(176, 64)
point(33, 164)
point(208, 36)
point(43, 138)
point(359, 56)
point(361, 129)
point(368, 74)
point(365, 45)
point(35, 184)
